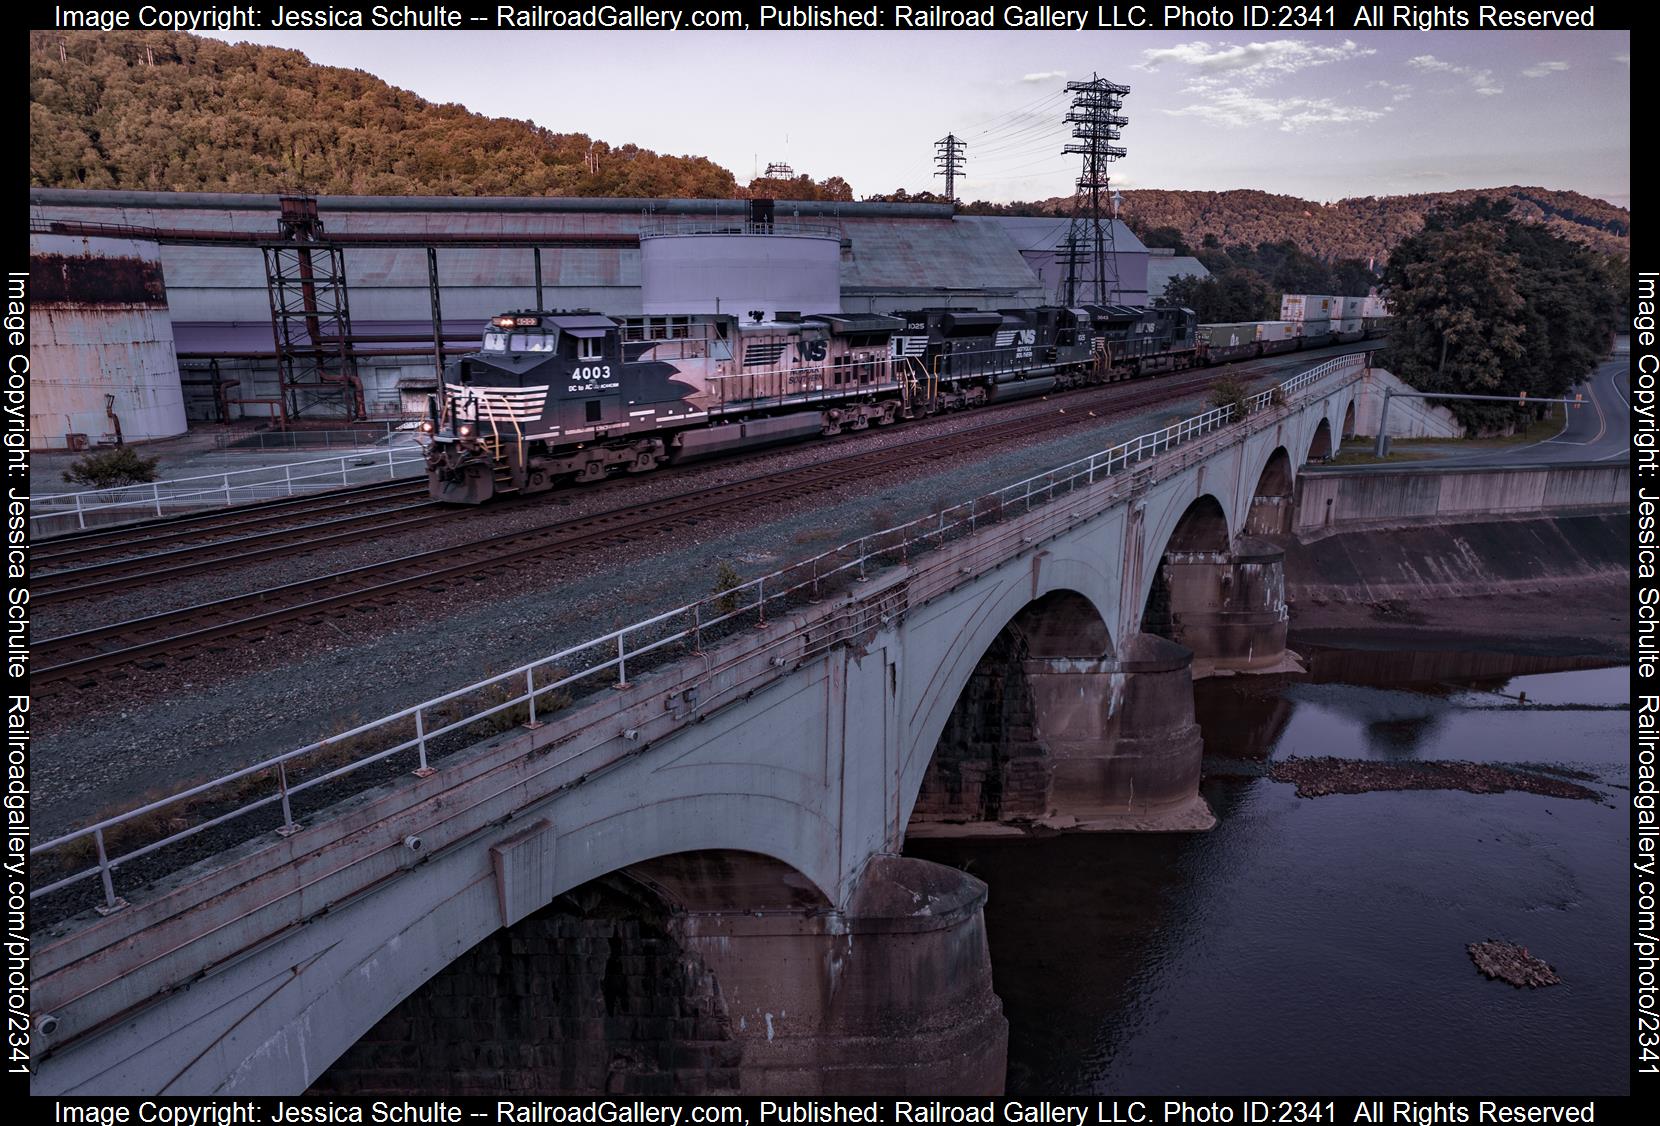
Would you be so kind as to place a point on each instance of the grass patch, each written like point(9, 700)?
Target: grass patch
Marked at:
point(1359, 450)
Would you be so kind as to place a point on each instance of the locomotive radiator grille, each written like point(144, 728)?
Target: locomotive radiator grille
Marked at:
point(521, 404)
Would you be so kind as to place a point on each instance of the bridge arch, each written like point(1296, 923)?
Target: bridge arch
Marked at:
point(1348, 430)
point(1320, 444)
point(1271, 497)
point(1201, 530)
point(598, 990)
point(976, 743)
point(390, 959)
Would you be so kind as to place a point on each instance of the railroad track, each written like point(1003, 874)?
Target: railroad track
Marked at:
point(91, 564)
point(80, 660)
point(129, 541)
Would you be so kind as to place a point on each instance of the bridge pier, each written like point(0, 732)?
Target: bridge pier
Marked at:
point(893, 996)
point(1121, 738)
point(1069, 742)
point(1228, 608)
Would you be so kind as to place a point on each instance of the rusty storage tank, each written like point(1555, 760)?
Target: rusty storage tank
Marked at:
point(102, 364)
point(741, 266)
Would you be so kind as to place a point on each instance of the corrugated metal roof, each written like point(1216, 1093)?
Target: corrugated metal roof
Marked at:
point(1161, 269)
point(930, 254)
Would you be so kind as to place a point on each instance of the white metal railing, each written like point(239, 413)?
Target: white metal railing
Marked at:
point(415, 730)
point(61, 512)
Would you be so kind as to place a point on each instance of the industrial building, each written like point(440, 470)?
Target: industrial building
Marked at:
point(249, 306)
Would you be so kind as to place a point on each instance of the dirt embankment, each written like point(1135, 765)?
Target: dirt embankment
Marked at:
point(1550, 586)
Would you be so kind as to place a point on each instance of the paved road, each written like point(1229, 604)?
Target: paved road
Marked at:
point(1600, 430)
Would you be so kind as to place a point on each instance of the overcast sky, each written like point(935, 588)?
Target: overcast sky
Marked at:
point(1318, 115)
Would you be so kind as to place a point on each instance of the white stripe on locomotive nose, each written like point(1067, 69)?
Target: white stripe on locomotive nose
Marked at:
point(637, 414)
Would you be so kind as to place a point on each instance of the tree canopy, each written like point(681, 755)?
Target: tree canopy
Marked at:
point(1485, 304)
point(164, 111)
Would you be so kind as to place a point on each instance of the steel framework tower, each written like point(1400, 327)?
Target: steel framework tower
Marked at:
point(1095, 121)
point(950, 158)
point(311, 322)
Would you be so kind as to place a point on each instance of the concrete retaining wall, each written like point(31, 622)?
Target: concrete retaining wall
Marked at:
point(1329, 500)
point(1460, 560)
point(1408, 418)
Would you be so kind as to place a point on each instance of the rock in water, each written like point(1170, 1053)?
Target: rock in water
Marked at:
point(1506, 961)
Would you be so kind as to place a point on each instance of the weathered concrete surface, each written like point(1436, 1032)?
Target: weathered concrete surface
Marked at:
point(618, 988)
point(1331, 499)
point(893, 998)
point(1408, 418)
point(1441, 560)
point(806, 741)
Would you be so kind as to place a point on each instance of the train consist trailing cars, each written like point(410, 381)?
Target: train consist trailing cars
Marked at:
point(552, 397)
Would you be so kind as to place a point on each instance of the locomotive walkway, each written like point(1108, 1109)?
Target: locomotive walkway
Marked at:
point(757, 759)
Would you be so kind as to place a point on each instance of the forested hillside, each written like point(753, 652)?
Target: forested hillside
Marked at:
point(172, 112)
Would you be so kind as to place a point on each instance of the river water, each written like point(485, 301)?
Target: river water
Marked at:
point(1318, 945)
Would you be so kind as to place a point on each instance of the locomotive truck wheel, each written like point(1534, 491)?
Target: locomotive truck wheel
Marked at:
point(644, 463)
point(591, 471)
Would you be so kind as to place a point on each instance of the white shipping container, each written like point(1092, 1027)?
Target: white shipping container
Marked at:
point(1353, 307)
point(1306, 306)
point(1373, 307)
point(1278, 330)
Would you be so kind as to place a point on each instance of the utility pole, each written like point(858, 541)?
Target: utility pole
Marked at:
point(1096, 121)
point(950, 157)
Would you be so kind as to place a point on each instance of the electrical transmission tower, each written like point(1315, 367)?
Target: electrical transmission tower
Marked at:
point(950, 158)
point(1095, 121)
point(778, 170)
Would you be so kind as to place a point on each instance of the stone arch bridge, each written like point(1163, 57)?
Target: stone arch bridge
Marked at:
point(755, 797)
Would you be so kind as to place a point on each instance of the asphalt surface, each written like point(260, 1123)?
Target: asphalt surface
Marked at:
point(1599, 430)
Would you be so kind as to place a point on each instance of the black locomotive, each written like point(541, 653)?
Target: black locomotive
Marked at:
point(561, 396)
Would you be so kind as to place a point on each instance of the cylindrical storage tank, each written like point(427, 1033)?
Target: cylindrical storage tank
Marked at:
point(101, 361)
point(741, 272)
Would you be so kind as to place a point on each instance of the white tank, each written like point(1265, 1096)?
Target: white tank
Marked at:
point(101, 350)
point(740, 269)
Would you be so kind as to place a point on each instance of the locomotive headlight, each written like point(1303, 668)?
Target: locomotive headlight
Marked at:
point(427, 427)
point(465, 430)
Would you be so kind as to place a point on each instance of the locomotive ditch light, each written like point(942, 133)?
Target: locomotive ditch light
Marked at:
point(427, 426)
point(465, 430)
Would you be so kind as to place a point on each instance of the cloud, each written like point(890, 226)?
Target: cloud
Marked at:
point(1399, 91)
point(1542, 69)
point(1247, 65)
point(1237, 109)
point(1481, 80)
point(1043, 76)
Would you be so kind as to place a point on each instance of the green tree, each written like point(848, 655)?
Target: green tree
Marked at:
point(1486, 304)
point(1458, 315)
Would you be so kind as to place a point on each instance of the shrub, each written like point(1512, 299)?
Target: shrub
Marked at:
point(727, 581)
point(108, 469)
point(1231, 392)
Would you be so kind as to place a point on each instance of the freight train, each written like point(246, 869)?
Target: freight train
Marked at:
point(554, 397)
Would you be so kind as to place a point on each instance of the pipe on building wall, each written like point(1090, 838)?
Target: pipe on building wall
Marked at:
point(109, 409)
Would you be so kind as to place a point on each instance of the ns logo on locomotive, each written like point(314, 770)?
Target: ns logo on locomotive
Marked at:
point(555, 397)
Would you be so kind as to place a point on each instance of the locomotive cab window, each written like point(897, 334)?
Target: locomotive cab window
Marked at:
point(590, 348)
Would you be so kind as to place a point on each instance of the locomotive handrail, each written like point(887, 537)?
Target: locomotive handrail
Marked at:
point(260, 483)
point(683, 626)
